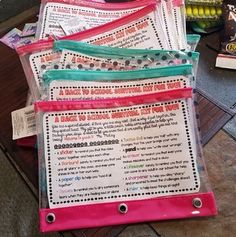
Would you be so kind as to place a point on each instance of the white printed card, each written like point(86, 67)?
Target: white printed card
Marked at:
point(127, 153)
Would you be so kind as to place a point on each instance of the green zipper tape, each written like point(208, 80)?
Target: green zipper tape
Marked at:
point(117, 75)
point(105, 51)
point(193, 38)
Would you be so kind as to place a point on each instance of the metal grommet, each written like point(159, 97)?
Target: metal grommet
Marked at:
point(50, 218)
point(123, 208)
point(197, 202)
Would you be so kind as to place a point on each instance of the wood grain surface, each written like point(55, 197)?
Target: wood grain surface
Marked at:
point(13, 94)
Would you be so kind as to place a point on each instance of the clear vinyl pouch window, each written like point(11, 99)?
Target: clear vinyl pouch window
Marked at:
point(82, 56)
point(64, 85)
point(121, 160)
point(141, 29)
point(32, 54)
point(125, 28)
point(192, 41)
point(168, 21)
point(178, 14)
point(58, 17)
point(36, 58)
point(80, 85)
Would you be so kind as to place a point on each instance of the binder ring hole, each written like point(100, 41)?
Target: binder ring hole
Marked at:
point(123, 208)
point(50, 218)
point(197, 202)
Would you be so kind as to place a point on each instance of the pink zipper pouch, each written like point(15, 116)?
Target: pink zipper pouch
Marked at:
point(37, 58)
point(120, 160)
point(61, 17)
point(136, 30)
point(142, 29)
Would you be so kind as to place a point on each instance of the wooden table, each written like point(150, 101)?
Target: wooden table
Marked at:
point(13, 94)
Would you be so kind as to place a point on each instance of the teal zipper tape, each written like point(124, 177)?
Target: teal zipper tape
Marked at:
point(117, 75)
point(105, 51)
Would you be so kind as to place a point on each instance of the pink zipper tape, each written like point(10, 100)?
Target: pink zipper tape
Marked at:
point(47, 44)
point(36, 46)
point(112, 25)
point(105, 6)
point(47, 106)
point(178, 3)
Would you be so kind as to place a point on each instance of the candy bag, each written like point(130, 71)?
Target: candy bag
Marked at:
point(227, 56)
point(228, 38)
point(11, 38)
